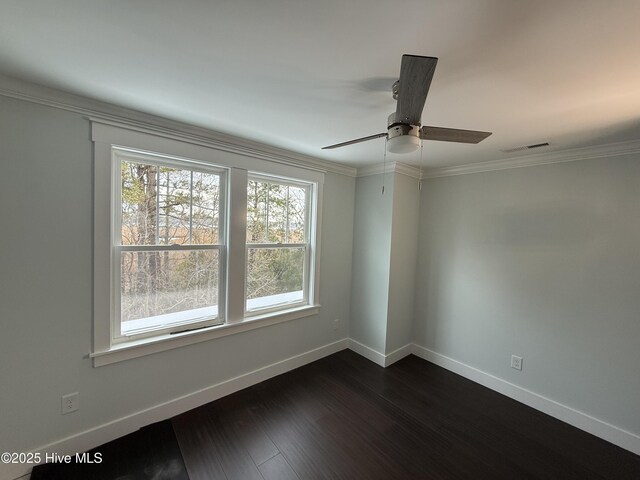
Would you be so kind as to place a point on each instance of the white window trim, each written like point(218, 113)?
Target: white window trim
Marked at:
point(107, 135)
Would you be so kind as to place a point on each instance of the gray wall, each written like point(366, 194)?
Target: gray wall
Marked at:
point(384, 261)
point(542, 262)
point(404, 249)
point(45, 292)
point(371, 261)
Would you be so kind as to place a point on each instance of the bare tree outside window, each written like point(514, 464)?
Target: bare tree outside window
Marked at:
point(166, 206)
point(277, 242)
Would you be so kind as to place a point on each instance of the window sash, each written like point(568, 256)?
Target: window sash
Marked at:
point(309, 232)
point(119, 155)
point(309, 192)
point(305, 278)
point(172, 326)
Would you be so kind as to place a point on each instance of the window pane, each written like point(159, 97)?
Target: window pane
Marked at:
point(296, 215)
point(169, 287)
point(256, 212)
point(166, 205)
point(175, 203)
point(276, 229)
point(276, 213)
point(139, 205)
point(275, 276)
point(206, 208)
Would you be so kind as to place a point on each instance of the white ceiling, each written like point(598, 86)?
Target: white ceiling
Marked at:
point(304, 74)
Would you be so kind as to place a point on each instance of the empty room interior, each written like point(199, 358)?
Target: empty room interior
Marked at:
point(319, 240)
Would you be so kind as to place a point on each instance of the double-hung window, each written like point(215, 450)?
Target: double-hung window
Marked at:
point(191, 243)
point(278, 246)
point(168, 245)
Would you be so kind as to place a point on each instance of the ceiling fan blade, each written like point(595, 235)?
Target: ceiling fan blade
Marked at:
point(357, 140)
point(415, 79)
point(452, 135)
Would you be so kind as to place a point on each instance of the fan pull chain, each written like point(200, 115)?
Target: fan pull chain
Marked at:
point(420, 179)
point(384, 165)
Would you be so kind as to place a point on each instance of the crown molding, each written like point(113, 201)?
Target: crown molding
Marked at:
point(113, 114)
point(117, 115)
point(391, 167)
point(408, 170)
point(561, 156)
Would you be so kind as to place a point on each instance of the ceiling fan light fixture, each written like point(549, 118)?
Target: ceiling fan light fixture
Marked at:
point(403, 144)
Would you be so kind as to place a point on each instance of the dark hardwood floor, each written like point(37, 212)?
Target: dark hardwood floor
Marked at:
point(343, 417)
point(150, 453)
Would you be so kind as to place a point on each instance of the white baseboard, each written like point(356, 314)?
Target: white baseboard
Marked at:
point(617, 436)
point(367, 352)
point(377, 357)
point(398, 354)
point(107, 432)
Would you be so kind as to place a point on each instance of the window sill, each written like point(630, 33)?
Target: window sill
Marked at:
point(148, 346)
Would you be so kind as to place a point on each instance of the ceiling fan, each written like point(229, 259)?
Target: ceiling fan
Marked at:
point(404, 133)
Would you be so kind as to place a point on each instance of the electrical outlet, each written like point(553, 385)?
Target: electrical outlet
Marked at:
point(516, 362)
point(70, 402)
point(336, 324)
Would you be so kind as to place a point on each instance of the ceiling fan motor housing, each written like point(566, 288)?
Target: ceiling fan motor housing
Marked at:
point(401, 137)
